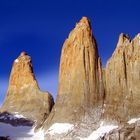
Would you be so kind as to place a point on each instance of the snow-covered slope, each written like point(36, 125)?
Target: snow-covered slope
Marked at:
point(20, 132)
point(58, 131)
point(17, 127)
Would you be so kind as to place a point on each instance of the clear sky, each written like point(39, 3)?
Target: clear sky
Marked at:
point(40, 27)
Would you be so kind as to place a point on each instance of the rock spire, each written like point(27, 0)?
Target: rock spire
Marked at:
point(23, 95)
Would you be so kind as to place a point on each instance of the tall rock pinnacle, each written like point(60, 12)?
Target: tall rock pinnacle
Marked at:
point(80, 68)
point(122, 80)
point(24, 95)
point(80, 77)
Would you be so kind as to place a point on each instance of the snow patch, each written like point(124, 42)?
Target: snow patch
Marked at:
point(19, 116)
point(59, 128)
point(100, 132)
point(39, 135)
point(133, 120)
point(20, 132)
point(13, 117)
point(16, 60)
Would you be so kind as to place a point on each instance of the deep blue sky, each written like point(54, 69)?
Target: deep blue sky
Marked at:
point(40, 28)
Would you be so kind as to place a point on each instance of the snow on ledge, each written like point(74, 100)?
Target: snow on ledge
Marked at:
point(100, 132)
point(16, 61)
point(133, 120)
point(12, 116)
point(59, 128)
point(19, 116)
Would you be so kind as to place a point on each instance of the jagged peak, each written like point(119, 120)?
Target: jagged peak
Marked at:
point(124, 39)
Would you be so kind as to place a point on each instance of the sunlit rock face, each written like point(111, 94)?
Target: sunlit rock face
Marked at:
point(80, 75)
point(23, 95)
point(122, 80)
point(80, 89)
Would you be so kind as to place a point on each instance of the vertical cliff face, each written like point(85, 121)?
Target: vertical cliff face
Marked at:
point(80, 88)
point(23, 95)
point(122, 76)
point(80, 68)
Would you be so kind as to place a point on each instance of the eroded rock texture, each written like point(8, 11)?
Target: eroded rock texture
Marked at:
point(23, 95)
point(122, 79)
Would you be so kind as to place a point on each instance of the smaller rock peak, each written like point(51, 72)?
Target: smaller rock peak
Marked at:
point(124, 36)
point(23, 53)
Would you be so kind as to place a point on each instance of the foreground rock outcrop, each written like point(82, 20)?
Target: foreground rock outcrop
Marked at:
point(23, 95)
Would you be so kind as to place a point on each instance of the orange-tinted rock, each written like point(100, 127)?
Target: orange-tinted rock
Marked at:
point(80, 77)
point(24, 95)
